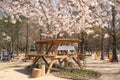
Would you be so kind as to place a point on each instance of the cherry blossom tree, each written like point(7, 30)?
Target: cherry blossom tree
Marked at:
point(60, 14)
point(110, 13)
point(57, 17)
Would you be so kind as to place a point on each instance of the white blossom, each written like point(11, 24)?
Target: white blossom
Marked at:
point(89, 31)
point(106, 36)
point(61, 15)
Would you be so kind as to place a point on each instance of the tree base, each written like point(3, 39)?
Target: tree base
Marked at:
point(114, 60)
point(101, 58)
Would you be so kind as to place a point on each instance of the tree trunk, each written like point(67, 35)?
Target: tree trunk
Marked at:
point(12, 40)
point(58, 36)
point(86, 46)
point(27, 39)
point(114, 59)
point(82, 44)
point(17, 39)
point(109, 41)
point(78, 50)
point(102, 45)
point(108, 47)
point(40, 31)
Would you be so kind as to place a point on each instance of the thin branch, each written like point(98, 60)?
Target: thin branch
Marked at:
point(118, 1)
point(43, 10)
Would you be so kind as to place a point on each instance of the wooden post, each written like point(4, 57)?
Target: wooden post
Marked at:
point(78, 62)
point(35, 60)
point(45, 61)
point(42, 66)
point(36, 72)
point(51, 45)
point(50, 66)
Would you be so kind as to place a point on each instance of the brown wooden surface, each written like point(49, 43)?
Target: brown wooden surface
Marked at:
point(57, 41)
point(53, 44)
point(50, 66)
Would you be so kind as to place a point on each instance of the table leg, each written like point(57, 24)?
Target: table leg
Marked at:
point(50, 66)
point(35, 60)
point(45, 61)
point(78, 62)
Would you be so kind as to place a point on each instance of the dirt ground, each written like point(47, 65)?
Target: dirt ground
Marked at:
point(109, 71)
point(15, 70)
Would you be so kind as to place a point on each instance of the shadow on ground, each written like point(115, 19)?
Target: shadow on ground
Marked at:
point(27, 72)
point(83, 79)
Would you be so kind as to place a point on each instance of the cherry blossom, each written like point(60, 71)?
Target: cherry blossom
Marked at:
point(71, 16)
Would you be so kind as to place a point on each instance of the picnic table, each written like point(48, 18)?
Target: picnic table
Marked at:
point(57, 49)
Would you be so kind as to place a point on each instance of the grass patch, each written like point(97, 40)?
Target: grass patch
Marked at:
point(28, 67)
point(77, 74)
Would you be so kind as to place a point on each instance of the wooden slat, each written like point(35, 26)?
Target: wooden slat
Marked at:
point(66, 41)
point(49, 56)
point(57, 41)
point(35, 60)
point(45, 61)
point(32, 55)
point(54, 44)
point(50, 66)
point(78, 62)
point(61, 57)
point(51, 45)
point(61, 61)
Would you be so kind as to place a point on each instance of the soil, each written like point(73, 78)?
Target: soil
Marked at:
point(16, 70)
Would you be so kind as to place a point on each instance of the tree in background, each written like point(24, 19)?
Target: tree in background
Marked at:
point(58, 17)
point(12, 30)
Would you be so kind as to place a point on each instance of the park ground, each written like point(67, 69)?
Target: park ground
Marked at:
point(16, 70)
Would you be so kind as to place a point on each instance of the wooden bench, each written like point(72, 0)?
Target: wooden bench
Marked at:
point(19, 56)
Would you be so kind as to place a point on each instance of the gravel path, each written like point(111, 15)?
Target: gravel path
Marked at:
point(109, 71)
point(16, 71)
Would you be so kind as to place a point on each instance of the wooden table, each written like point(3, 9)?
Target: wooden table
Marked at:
point(53, 53)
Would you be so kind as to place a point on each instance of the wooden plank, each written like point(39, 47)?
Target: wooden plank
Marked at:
point(51, 45)
point(61, 56)
point(54, 44)
point(32, 55)
point(50, 66)
point(60, 62)
point(57, 41)
point(35, 60)
point(66, 41)
point(78, 62)
point(49, 56)
point(45, 61)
